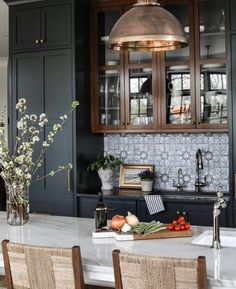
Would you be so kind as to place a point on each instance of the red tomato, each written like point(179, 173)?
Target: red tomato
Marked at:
point(174, 222)
point(187, 226)
point(177, 227)
point(182, 227)
point(182, 222)
point(171, 227)
point(181, 219)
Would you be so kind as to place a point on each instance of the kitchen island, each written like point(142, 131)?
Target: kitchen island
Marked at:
point(96, 253)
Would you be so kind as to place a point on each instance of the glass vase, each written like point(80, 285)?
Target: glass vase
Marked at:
point(17, 206)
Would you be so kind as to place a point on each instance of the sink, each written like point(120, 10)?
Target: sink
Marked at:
point(227, 238)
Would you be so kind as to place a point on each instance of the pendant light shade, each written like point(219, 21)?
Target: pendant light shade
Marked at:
point(147, 27)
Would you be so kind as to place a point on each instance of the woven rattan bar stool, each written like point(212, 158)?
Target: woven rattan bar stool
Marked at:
point(144, 272)
point(37, 267)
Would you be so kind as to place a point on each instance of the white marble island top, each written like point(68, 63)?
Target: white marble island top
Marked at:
point(96, 253)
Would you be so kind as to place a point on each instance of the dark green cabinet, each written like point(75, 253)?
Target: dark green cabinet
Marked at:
point(171, 211)
point(41, 27)
point(202, 214)
point(232, 14)
point(44, 79)
point(197, 213)
point(86, 206)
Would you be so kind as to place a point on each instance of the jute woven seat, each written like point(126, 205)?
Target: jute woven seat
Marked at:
point(36, 267)
point(144, 272)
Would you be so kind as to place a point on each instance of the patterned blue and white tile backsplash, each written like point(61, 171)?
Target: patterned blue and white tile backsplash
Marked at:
point(169, 152)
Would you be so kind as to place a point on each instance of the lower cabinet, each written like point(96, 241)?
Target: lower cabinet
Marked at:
point(200, 214)
point(196, 213)
point(86, 207)
point(171, 211)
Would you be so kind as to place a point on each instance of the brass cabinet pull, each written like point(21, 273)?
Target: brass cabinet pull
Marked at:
point(37, 41)
point(69, 180)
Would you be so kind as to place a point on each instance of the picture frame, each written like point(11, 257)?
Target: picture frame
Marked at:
point(129, 178)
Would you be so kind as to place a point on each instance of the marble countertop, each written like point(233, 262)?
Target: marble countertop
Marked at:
point(96, 253)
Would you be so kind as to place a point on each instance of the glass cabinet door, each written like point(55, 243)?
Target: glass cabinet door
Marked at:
point(178, 94)
point(109, 66)
point(213, 107)
point(211, 77)
point(212, 29)
point(179, 73)
point(139, 96)
point(106, 20)
point(109, 98)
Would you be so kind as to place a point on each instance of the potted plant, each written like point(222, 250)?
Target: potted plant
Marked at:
point(105, 166)
point(147, 178)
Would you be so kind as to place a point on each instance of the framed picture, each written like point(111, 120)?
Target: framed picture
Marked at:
point(129, 175)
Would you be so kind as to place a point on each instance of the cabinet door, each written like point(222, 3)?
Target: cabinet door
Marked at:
point(167, 216)
point(56, 25)
point(86, 207)
point(202, 215)
point(107, 74)
point(211, 79)
point(122, 207)
point(45, 80)
point(25, 28)
point(178, 101)
point(232, 15)
point(141, 89)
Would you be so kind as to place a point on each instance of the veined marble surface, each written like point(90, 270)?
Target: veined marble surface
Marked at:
point(96, 253)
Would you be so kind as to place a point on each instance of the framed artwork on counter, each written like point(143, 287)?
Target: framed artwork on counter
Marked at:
point(129, 178)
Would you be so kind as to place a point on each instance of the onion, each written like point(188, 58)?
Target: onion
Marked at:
point(117, 222)
point(126, 228)
point(131, 220)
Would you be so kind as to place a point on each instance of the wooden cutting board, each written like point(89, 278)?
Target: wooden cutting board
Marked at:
point(164, 234)
point(119, 236)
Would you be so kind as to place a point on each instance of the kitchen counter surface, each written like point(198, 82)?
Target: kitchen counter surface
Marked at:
point(96, 253)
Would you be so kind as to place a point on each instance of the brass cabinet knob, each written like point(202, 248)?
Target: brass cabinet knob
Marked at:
point(198, 122)
point(42, 40)
point(193, 122)
point(37, 41)
point(123, 123)
point(127, 123)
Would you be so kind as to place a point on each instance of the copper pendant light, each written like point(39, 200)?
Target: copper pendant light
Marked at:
point(147, 27)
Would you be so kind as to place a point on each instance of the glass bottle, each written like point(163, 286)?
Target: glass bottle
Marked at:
point(100, 213)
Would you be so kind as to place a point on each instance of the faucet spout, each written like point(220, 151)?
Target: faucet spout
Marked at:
point(219, 203)
point(199, 166)
point(199, 163)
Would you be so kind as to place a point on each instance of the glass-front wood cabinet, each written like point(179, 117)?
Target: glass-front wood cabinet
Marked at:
point(123, 94)
point(181, 90)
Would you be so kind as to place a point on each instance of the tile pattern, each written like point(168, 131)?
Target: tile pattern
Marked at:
point(169, 152)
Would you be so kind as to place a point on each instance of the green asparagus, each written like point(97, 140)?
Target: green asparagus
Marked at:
point(147, 228)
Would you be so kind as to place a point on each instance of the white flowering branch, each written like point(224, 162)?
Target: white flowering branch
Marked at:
point(18, 169)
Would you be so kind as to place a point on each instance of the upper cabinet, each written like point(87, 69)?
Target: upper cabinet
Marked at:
point(195, 77)
point(123, 95)
point(181, 90)
point(38, 27)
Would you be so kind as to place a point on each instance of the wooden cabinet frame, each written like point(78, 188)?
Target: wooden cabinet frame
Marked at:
point(158, 65)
